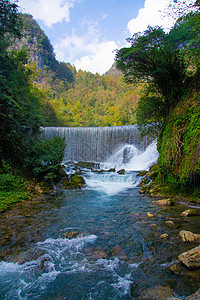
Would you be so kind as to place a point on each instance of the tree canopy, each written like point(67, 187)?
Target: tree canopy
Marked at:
point(169, 62)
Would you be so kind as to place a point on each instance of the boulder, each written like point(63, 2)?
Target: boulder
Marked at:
point(190, 212)
point(188, 236)
point(164, 202)
point(191, 258)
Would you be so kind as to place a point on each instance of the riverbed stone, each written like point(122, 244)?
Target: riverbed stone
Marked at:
point(170, 223)
point(150, 215)
point(164, 236)
point(156, 293)
point(188, 236)
point(190, 212)
point(111, 170)
point(191, 258)
point(121, 172)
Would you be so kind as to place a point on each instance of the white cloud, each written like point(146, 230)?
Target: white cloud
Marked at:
point(87, 52)
point(49, 11)
point(151, 14)
point(99, 60)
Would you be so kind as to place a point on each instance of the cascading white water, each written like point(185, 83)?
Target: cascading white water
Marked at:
point(99, 144)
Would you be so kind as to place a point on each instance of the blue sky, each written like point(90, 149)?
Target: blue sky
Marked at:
point(86, 32)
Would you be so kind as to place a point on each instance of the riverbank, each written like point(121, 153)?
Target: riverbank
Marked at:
point(152, 186)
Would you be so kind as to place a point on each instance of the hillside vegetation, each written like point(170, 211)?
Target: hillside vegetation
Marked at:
point(71, 97)
point(169, 64)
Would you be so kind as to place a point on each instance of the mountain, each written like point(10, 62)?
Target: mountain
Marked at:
point(42, 54)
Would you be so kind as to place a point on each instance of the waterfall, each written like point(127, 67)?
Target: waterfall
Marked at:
point(98, 144)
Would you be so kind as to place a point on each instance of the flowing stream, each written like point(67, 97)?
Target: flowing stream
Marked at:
point(96, 242)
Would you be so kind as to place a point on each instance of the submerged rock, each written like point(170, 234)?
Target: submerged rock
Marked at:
point(156, 293)
point(191, 258)
point(119, 252)
point(98, 253)
point(170, 223)
point(188, 236)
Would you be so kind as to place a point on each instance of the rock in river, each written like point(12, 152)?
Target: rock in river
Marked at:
point(191, 258)
point(188, 236)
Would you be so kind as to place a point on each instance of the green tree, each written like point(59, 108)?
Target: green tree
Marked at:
point(168, 62)
point(20, 110)
point(10, 23)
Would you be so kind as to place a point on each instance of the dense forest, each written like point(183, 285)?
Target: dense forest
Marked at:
point(36, 90)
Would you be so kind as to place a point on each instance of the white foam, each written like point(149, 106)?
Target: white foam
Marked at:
point(123, 285)
point(108, 264)
point(129, 157)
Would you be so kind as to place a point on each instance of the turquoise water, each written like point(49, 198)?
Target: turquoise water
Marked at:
point(93, 243)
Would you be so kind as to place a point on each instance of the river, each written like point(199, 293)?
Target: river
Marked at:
point(93, 243)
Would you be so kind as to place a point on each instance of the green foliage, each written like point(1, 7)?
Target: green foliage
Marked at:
point(45, 158)
point(170, 62)
point(179, 144)
point(151, 111)
point(13, 187)
point(9, 19)
point(97, 101)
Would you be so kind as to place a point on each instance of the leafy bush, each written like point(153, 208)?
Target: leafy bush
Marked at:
point(45, 158)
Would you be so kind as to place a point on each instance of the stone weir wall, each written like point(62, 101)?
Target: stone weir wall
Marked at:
point(96, 143)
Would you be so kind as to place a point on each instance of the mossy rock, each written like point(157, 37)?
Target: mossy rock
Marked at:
point(86, 165)
point(73, 182)
point(142, 173)
point(99, 171)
